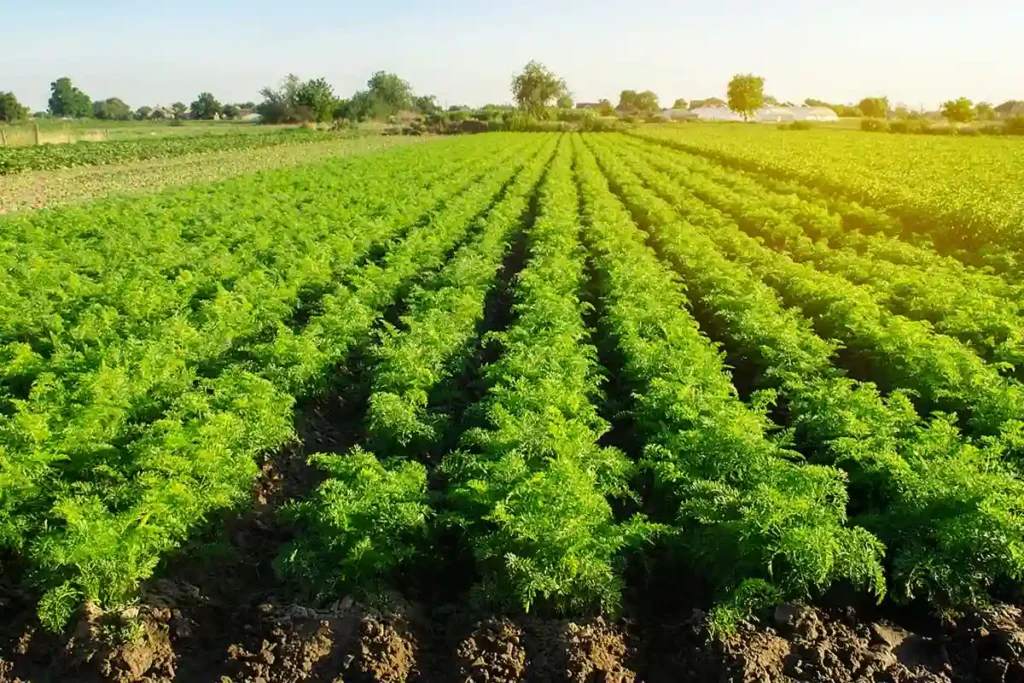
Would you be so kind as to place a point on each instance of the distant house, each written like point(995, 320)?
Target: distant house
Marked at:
point(815, 114)
point(679, 114)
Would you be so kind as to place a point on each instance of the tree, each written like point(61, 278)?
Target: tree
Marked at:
point(143, 113)
point(746, 94)
point(770, 101)
point(67, 100)
point(564, 102)
point(536, 88)
point(874, 107)
point(426, 105)
point(205, 107)
point(960, 110)
point(633, 102)
point(10, 108)
point(679, 104)
point(811, 102)
point(390, 93)
point(605, 108)
point(179, 109)
point(230, 111)
point(710, 102)
point(111, 109)
point(315, 98)
point(984, 111)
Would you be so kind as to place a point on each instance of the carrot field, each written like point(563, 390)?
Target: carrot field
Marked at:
point(646, 395)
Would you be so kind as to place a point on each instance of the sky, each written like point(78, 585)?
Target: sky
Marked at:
point(465, 51)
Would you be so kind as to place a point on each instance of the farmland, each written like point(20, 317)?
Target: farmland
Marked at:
point(688, 403)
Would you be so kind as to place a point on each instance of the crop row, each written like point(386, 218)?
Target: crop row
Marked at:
point(50, 157)
point(95, 522)
point(990, 323)
point(948, 511)
point(965, 194)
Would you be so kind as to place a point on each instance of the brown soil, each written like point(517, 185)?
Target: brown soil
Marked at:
point(225, 618)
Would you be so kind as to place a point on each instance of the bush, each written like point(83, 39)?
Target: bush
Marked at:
point(1014, 126)
point(874, 125)
point(796, 125)
point(991, 129)
point(177, 122)
point(905, 126)
point(970, 131)
point(939, 129)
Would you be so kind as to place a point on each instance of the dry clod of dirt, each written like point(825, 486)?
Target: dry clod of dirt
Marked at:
point(147, 656)
point(595, 653)
point(387, 649)
point(493, 653)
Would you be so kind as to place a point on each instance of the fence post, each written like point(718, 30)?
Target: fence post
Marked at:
point(35, 128)
point(3, 138)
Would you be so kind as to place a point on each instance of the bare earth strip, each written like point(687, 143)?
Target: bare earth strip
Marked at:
point(27, 191)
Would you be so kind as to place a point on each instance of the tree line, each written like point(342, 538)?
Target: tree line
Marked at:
point(537, 91)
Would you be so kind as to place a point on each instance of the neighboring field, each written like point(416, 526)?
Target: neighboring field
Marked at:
point(48, 157)
point(965, 193)
point(573, 376)
point(41, 189)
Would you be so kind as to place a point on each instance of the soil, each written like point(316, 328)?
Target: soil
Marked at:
point(223, 617)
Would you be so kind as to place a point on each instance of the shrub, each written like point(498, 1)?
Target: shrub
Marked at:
point(874, 125)
point(939, 129)
point(796, 125)
point(905, 126)
point(1014, 126)
point(991, 129)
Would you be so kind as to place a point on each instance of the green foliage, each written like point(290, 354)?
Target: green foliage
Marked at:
point(537, 88)
point(112, 109)
point(143, 113)
point(317, 98)
point(709, 102)
point(68, 101)
point(230, 111)
point(48, 157)
point(633, 102)
point(680, 103)
point(179, 110)
point(960, 110)
point(529, 490)
point(874, 107)
point(205, 107)
point(746, 509)
point(874, 125)
point(365, 521)
point(10, 108)
point(746, 94)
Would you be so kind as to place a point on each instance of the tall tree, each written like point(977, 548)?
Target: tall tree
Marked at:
point(143, 113)
point(680, 103)
point(230, 111)
point(960, 110)
point(67, 100)
point(111, 109)
point(179, 109)
point(205, 107)
point(10, 108)
point(633, 102)
point(746, 94)
point(426, 105)
point(536, 88)
point(316, 96)
point(390, 93)
point(874, 107)
point(564, 102)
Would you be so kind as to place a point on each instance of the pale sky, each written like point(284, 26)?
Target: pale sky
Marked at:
point(465, 51)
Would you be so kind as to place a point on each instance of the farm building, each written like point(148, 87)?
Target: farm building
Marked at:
point(678, 114)
point(716, 114)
